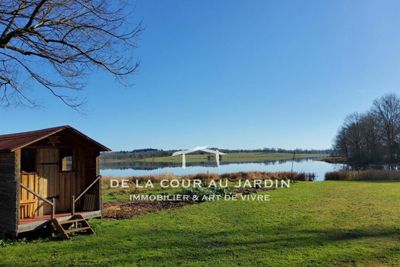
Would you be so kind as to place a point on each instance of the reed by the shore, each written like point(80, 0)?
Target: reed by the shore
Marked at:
point(363, 175)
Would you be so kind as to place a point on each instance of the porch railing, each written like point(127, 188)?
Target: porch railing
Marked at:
point(75, 199)
point(51, 203)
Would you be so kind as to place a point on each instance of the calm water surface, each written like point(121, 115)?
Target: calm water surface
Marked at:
point(314, 166)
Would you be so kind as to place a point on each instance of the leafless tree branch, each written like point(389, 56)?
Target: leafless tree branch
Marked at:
point(70, 37)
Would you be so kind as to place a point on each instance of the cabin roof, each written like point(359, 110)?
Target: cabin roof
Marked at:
point(12, 142)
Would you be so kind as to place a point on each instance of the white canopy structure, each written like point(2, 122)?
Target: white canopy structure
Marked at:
point(199, 148)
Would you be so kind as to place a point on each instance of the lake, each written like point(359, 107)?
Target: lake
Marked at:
point(319, 168)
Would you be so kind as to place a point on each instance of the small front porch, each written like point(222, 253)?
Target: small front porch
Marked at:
point(31, 220)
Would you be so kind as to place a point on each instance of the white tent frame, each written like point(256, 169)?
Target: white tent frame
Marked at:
point(199, 148)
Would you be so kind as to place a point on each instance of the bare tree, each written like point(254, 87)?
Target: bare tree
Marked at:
point(354, 136)
point(55, 43)
point(387, 112)
point(373, 137)
point(341, 146)
point(371, 141)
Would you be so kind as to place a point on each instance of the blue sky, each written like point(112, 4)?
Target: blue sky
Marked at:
point(237, 74)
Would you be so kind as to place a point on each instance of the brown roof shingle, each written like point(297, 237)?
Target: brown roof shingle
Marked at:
point(11, 142)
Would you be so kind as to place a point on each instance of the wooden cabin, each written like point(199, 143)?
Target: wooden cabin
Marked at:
point(47, 174)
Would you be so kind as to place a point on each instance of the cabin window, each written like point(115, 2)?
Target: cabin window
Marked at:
point(66, 160)
point(28, 160)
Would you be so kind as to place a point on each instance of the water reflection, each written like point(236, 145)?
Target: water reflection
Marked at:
point(154, 166)
point(149, 168)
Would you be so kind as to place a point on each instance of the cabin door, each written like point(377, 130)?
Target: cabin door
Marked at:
point(48, 171)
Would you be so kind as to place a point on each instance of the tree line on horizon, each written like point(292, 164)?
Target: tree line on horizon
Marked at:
point(372, 137)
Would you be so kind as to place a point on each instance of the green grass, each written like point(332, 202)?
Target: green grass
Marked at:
point(231, 157)
point(309, 224)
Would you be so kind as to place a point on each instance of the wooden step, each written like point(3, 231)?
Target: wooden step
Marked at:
point(72, 221)
point(66, 232)
point(79, 229)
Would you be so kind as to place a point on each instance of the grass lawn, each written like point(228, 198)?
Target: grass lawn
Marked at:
point(320, 223)
point(231, 157)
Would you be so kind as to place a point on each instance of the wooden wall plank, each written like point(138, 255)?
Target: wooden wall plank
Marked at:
point(9, 194)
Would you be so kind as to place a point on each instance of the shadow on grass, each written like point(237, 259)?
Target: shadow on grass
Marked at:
point(251, 245)
point(184, 246)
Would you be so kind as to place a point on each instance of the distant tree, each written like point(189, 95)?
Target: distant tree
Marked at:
point(55, 43)
point(354, 136)
point(340, 144)
point(373, 137)
point(387, 113)
point(371, 145)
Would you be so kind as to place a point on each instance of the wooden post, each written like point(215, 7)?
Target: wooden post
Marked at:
point(73, 205)
point(53, 212)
